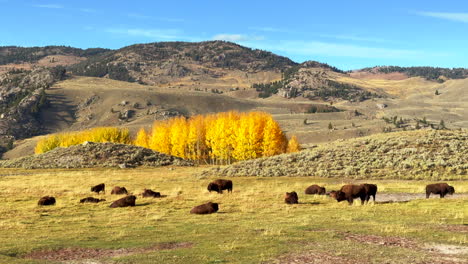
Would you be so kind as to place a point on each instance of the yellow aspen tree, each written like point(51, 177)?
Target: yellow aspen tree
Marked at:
point(274, 141)
point(197, 149)
point(160, 137)
point(178, 137)
point(293, 145)
point(141, 138)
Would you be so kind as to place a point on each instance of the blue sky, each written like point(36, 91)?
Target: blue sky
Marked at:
point(345, 34)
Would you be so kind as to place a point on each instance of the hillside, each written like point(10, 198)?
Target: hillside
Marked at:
point(92, 155)
point(13, 57)
point(429, 73)
point(172, 62)
point(439, 155)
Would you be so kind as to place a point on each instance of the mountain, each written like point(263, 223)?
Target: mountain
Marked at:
point(163, 62)
point(56, 89)
point(13, 57)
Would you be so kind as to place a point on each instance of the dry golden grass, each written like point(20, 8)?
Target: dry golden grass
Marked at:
point(253, 223)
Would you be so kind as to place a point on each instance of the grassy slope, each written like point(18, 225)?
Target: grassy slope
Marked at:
point(253, 224)
point(423, 154)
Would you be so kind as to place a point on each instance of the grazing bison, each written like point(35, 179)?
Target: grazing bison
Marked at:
point(219, 185)
point(151, 193)
point(315, 189)
point(371, 190)
point(124, 202)
point(99, 188)
point(119, 190)
point(46, 200)
point(439, 188)
point(91, 200)
point(207, 208)
point(349, 192)
point(291, 198)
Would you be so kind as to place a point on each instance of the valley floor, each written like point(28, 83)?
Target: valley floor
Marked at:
point(253, 225)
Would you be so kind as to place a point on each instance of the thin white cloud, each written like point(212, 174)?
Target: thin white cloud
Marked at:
point(458, 17)
point(314, 48)
point(156, 34)
point(50, 6)
point(146, 17)
point(354, 38)
point(268, 29)
point(237, 37)
point(87, 10)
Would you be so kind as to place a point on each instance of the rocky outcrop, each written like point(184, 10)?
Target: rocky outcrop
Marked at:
point(96, 155)
point(22, 94)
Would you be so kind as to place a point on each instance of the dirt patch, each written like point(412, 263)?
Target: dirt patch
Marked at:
point(448, 249)
point(382, 198)
point(384, 241)
point(456, 228)
point(71, 254)
point(312, 257)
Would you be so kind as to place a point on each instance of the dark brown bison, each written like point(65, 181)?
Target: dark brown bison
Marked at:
point(207, 208)
point(119, 190)
point(91, 200)
point(371, 190)
point(46, 200)
point(315, 189)
point(124, 202)
point(150, 193)
point(219, 185)
point(99, 188)
point(291, 198)
point(439, 188)
point(349, 192)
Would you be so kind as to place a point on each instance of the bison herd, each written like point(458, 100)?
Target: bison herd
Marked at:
point(348, 193)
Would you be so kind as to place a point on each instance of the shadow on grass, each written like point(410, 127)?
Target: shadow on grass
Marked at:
point(142, 204)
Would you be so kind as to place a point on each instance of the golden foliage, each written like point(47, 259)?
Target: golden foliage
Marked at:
point(219, 138)
point(98, 134)
point(293, 145)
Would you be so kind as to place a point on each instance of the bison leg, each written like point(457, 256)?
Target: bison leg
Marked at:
point(373, 196)
point(428, 194)
point(442, 195)
point(350, 201)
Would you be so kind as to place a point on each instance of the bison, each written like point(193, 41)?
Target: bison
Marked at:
point(46, 200)
point(150, 193)
point(291, 198)
point(119, 190)
point(349, 192)
point(219, 185)
point(207, 208)
point(99, 188)
point(315, 189)
point(371, 190)
point(439, 188)
point(91, 200)
point(124, 202)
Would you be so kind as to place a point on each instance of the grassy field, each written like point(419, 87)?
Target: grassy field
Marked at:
point(253, 224)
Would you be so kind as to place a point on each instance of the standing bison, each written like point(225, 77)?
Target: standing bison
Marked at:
point(207, 208)
point(439, 188)
point(219, 185)
point(291, 198)
point(46, 200)
point(99, 188)
point(119, 190)
point(371, 190)
point(315, 189)
point(124, 202)
point(349, 192)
